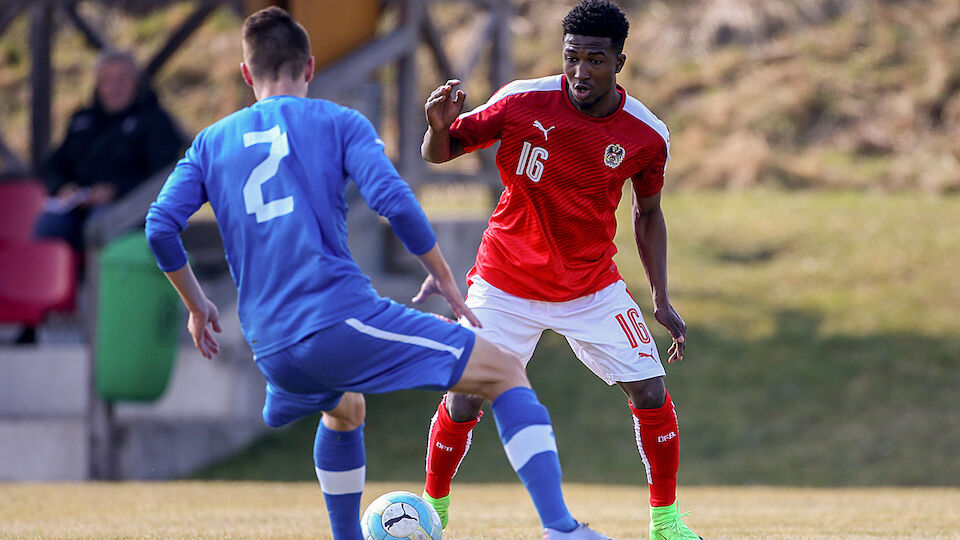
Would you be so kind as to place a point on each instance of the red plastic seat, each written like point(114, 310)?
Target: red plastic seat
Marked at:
point(35, 279)
point(21, 202)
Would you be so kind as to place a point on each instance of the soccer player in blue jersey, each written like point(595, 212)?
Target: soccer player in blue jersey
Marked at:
point(274, 174)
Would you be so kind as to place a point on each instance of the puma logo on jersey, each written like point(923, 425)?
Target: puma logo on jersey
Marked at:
point(444, 448)
point(546, 131)
point(667, 437)
point(645, 355)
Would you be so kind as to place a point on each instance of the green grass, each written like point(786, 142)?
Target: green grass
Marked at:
point(293, 511)
point(823, 349)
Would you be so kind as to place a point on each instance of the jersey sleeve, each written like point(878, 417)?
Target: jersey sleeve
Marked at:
point(182, 195)
point(381, 186)
point(648, 181)
point(482, 126)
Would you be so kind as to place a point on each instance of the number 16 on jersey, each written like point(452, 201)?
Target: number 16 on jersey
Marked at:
point(531, 161)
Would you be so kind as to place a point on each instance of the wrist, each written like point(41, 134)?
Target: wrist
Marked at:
point(438, 132)
point(197, 310)
point(661, 299)
point(196, 302)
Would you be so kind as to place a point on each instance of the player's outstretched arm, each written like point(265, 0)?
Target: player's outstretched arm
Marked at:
point(440, 281)
point(203, 317)
point(442, 107)
point(650, 231)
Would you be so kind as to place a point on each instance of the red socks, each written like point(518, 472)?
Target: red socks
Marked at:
point(659, 444)
point(657, 439)
point(448, 444)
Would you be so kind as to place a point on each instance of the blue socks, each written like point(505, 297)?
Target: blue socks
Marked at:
point(527, 436)
point(340, 462)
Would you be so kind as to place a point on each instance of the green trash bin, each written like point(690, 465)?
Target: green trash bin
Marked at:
point(138, 323)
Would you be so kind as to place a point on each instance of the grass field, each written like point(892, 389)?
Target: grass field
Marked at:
point(240, 510)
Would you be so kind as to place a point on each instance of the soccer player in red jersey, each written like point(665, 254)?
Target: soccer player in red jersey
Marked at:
point(567, 145)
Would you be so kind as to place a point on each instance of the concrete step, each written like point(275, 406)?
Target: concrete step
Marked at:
point(160, 449)
point(210, 409)
point(44, 449)
point(48, 380)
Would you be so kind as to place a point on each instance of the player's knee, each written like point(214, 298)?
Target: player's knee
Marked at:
point(348, 415)
point(510, 370)
point(648, 394)
point(490, 371)
point(463, 407)
point(355, 409)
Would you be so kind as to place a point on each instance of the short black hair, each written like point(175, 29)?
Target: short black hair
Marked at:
point(273, 42)
point(598, 18)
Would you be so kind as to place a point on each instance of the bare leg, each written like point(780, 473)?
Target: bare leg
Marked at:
point(490, 372)
point(348, 415)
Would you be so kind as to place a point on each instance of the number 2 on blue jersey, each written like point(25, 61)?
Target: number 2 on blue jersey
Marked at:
point(264, 171)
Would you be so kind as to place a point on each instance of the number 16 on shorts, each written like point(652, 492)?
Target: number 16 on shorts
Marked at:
point(632, 324)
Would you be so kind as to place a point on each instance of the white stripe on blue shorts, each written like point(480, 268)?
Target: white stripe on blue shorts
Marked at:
point(403, 338)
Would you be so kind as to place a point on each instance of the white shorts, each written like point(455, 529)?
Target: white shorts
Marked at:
point(605, 329)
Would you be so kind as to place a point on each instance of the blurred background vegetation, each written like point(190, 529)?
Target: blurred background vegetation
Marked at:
point(859, 94)
point(814, 217)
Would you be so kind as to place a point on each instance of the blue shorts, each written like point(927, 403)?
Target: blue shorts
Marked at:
point(394, 348)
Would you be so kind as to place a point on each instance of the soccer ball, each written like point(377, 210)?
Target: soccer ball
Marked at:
point(400, 514)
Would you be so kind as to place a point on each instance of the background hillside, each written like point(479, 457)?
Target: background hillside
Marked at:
point(856, 94)
point(814, 231)
point(811, 93)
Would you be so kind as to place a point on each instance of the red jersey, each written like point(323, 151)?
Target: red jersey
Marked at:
point(551, 236)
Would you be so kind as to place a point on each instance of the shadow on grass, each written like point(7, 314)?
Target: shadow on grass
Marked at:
point(795, 408)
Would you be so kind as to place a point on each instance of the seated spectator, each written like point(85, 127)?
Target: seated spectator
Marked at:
point(112, 146)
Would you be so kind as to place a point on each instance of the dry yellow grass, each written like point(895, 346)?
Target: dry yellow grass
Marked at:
point(295, 511)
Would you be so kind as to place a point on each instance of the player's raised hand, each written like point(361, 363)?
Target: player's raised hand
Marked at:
point(670, 319)
point(451, 293)
point(440, 281)
point(201, 324)
point(444, 105)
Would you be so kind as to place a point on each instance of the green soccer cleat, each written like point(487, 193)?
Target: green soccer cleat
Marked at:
point(665, 524)
point(441, 505)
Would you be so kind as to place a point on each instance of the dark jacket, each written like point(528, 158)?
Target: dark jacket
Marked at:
point(123, 149)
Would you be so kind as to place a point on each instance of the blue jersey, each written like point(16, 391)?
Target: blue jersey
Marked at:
point(274, 174)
